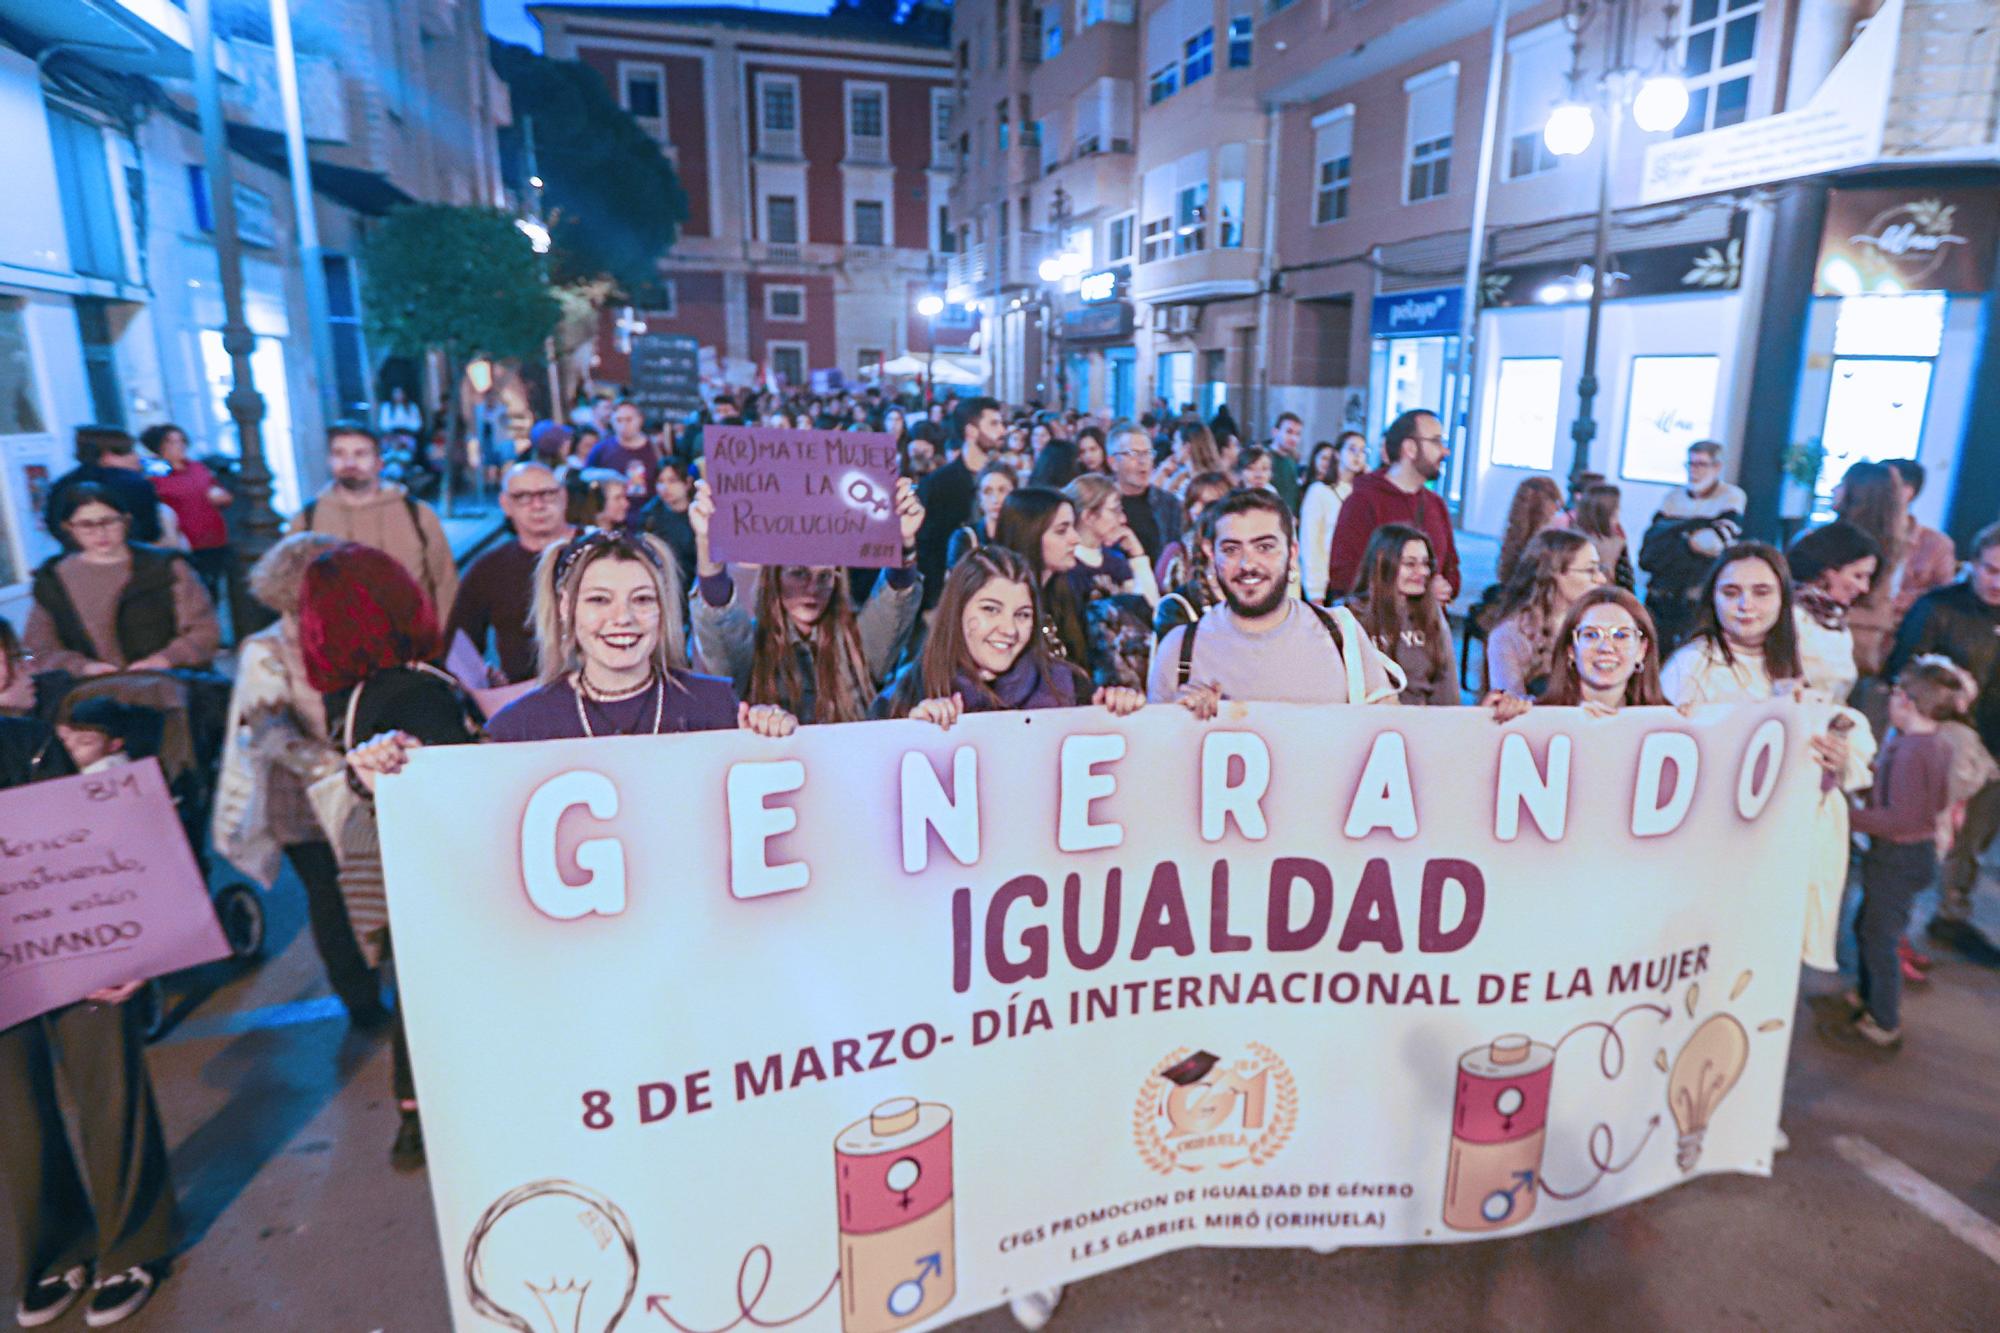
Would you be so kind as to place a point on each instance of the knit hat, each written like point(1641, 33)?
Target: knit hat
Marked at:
point(549, 439)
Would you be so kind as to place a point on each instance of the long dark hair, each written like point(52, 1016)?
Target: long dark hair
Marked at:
point(1871, 498)
point(1386, 613)
point(1781, 647)
point(842, 689)
point(945, 662)
point(1531, 591)
point(1832, 546)
point(1027, 514)
point(1566, 687)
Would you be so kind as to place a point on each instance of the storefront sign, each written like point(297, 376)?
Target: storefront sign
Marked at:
point(1099, 286)
point(1113, 320)
point(666, 375)
point(867, 1028)
point(97, 888)
point(802, 497)
point(1840, 126)
point(1907, 240)
point(1667, 270)
point(1429, 314)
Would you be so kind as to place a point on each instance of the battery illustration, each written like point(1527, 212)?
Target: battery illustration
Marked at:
point(893, 1174)
point(1499, 1118)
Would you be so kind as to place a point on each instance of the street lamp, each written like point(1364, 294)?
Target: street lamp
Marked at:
point(930, 305)
point(1657, 101)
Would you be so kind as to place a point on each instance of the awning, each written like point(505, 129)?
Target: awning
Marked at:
point(127, 36)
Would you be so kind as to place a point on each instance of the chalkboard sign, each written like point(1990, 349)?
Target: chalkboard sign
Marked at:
point(666, 375)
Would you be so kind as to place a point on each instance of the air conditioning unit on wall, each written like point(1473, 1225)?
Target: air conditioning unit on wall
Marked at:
point(1183, 319)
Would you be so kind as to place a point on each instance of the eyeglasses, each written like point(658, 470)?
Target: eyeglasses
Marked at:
point(547, 495)
point(1590, 636)
point(1594, 569)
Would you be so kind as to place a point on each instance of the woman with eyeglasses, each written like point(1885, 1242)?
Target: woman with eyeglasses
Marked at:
point(1607, 657)
point(801, 644)
point(1555, 570)
point(114, 604)
point(1395, 602)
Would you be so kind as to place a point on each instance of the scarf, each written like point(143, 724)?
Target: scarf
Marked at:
point(1825, 612)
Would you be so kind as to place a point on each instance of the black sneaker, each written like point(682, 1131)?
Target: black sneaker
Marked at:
point(407, 1154)
point(118, 1297)
point(49, 1299)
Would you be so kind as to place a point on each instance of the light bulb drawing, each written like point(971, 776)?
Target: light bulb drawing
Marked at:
point(1703, 1073)
point(552, 1256)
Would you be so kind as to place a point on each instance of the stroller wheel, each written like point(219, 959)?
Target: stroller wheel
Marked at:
point(150, 1003)
point(241, 912)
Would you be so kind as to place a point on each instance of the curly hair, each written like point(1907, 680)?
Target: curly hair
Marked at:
point(360, 612)
point(1536, 501)
point(276, 577)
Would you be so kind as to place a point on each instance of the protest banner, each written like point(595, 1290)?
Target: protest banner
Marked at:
point(870, 1027)
point(97, 888)
point(802, 497)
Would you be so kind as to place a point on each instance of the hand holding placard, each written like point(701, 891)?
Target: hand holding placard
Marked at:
point(801, 497)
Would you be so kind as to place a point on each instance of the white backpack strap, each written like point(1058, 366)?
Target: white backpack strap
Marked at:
point(1359, 645)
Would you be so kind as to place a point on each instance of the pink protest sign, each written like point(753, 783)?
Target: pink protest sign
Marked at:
point(802, 497)
point(97, 887)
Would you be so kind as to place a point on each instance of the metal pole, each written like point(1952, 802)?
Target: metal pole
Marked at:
point(535, 211)
point(305, 218)
point(1475, 260)
point(1584, 429)
point(257, 530)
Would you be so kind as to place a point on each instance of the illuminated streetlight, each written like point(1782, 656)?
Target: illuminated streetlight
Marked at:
point(1661, 104)
point(1051, 270)
point(1570, 129)
point(930, 305)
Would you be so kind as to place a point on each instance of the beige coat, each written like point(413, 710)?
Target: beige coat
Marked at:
point(383, 519)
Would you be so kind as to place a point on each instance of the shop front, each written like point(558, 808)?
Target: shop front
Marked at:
point(1413, 354)
point(1097, 354)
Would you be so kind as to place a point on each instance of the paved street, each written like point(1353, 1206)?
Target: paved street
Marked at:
point(280, 1122)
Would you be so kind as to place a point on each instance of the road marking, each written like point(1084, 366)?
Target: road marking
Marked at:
point(1927, 1197)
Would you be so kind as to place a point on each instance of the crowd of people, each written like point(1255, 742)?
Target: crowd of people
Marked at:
point(1050, 559)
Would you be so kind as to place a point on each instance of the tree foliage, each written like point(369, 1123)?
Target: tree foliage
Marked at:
point(463, 279)
point(610, 198)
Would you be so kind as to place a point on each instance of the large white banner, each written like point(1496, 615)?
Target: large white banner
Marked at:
point(869, 1028)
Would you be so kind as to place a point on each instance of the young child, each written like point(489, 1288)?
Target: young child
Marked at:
point(1912, 789)
point(103, 733)
point(1972, 771)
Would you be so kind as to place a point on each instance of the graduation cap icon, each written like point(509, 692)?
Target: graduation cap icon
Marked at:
point(1191, 1070)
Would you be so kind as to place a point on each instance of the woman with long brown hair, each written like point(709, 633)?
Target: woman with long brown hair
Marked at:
point(1537, 501)
point(1395, 602)
point(1607, 655)
point(1039, 525)
point(1596, 517)
point(1873, 499)
point(1554, 570)
point(802, 645)
point(986, 653)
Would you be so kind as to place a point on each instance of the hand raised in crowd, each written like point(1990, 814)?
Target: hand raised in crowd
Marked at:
point(1204, 701)
point(943, 710)
point(381, 756)
point(1122, 700)
point(115, 994)
point(909, 511)
point(701, 513)
point(1506, 707)
point(765, 720)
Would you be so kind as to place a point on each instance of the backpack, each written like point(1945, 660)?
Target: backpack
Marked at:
point(1340, 626)
point(409, 504)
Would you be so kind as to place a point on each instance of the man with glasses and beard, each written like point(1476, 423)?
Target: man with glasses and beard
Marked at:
point(1263, 644)
point(498, 587)
point(1413, 454)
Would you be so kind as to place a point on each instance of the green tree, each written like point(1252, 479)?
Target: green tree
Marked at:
point(610, 198)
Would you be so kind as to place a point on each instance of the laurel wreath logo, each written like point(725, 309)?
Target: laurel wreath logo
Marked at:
point(1152, 1145)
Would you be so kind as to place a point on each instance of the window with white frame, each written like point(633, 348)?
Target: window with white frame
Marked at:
point(1107, 11)
point(1167, 29)
point(1433, 106)
point(1156, 214)
point(1118, 239)
point(944, 104)
point(947, 239)
point(1537, 80)
point(1333, 154)
point(1718, 58)
point(1103, 117)
point(784, 302)
point(869, 225)
point(1191, 203)
point(778, 115)
point(1198, 57)
point(1240, 43)
point(781, 219)
point(1163, 83)
point(1052, 30)
point(661, 299)
point(788, 362)
point(642, 91)
point(1230, 162)
point(867, 122)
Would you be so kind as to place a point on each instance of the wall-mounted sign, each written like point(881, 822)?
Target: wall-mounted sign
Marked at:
point(1669, 404)
point(1110, 319)
point(1906, 240)
point(256, 224)
point(1099, 286)
point(1426, 314)
point(1666, 270)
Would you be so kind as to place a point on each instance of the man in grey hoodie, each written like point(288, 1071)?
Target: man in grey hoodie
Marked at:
point(358, 506)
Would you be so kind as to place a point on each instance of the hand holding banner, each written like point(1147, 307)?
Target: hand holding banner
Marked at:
point(802, 497)
point(97, 888)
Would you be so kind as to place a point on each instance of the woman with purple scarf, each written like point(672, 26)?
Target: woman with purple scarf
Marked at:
point(985, 655)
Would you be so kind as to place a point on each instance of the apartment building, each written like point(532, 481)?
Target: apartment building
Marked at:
point(815, 151)
point(110, 300)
